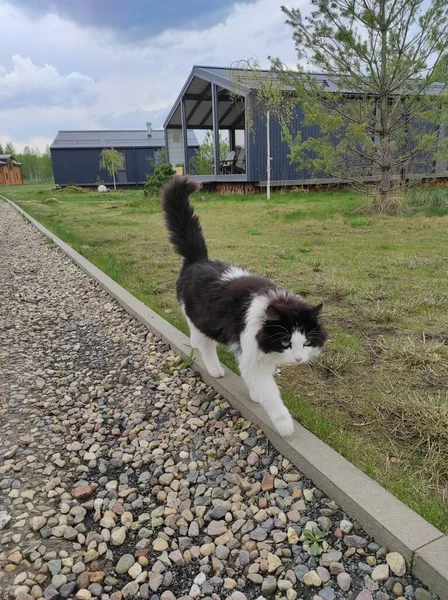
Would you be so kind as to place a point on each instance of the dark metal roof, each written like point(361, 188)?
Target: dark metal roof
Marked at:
point(231, 81)
point(115, 139)
point(245, 80)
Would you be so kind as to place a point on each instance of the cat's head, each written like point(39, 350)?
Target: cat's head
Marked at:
point(291, 333)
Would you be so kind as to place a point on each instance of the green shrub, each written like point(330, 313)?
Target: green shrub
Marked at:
point(154, 183)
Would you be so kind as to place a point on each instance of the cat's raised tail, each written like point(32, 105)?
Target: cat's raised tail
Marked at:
point(182, 223)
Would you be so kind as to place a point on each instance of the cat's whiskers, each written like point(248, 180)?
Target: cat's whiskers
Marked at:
point(276, 335)
point(277, 326)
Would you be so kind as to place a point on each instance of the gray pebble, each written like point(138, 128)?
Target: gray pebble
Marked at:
point(269, 586)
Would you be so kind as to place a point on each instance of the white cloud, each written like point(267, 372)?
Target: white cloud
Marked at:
point(79, 78)
point(30, 85)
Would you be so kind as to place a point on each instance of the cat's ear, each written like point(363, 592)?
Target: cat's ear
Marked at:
point(315, 310)
point(272, 313)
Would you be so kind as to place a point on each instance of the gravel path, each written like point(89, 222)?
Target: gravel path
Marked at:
point(122, 475)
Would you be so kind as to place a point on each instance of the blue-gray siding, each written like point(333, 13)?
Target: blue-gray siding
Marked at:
point(423, 162)
point(81, 166)
point(281, 167)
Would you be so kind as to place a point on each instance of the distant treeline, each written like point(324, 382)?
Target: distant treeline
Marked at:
point(36, 165)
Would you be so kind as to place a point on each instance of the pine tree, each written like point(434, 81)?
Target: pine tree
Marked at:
point(379, 107)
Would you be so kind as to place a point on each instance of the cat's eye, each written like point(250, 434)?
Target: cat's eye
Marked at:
point(306, 343)
point(286, 343)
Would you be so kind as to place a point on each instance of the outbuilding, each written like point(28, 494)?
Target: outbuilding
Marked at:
point(76, 155)
point(10, 170)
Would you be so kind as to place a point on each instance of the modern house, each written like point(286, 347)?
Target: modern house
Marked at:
point(10, 170)
point(76, 154)
point(224, 99)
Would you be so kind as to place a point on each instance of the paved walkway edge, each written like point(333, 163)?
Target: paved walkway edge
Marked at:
point(391, 522)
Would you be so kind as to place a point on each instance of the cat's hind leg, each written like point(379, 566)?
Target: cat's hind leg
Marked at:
point(194, 338)
point(207, 349)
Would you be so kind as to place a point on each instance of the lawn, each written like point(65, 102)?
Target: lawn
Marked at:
point(379, 393)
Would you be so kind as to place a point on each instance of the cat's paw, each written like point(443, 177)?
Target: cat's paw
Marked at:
point(284, 425)
point(216, 371)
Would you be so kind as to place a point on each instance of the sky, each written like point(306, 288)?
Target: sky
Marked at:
point(109, 64)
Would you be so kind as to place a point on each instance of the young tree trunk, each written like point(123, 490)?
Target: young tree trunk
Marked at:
point(385, 157)
point(384, 189)
point(115, 185)
point(385, 200)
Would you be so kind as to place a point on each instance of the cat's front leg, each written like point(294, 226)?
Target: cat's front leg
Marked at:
point(207, 348)
point(264, 390)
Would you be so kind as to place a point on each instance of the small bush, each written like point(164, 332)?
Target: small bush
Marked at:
point(154, 183)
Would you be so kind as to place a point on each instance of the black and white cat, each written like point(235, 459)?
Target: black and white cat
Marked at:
point(263, 325)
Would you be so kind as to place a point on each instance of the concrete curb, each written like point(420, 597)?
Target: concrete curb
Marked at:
point(382, 515)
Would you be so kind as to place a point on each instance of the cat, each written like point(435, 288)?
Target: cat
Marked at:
point(264, 325)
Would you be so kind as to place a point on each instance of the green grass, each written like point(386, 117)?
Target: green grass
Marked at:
point(378, 395)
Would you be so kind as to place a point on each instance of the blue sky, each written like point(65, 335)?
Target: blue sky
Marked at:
point(90, 64)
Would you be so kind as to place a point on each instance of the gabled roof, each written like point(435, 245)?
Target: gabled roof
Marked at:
point(245, 80)
point(197, 96)
point(115, 139)
point(232, 82)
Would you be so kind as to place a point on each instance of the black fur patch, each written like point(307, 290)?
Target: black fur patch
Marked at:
point(284, 317)
point(184, 227)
